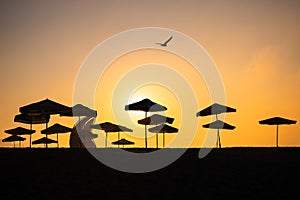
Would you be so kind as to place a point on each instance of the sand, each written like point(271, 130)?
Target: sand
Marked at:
point(244, 173)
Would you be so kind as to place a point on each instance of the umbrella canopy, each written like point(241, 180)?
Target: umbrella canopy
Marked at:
point(145, 105)
point(123, 142)
point(20, 131)
point(110, 127)
point(56, 129)
point(44, 140)
point(219, 125)
point(215, 109)
point(25, 119)
point(14, 138)
point(163, 128)
point(46, 106)
point(156, 119)
point(79, 110)
point(277, 121)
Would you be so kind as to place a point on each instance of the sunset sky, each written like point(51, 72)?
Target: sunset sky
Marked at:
point(254, 45)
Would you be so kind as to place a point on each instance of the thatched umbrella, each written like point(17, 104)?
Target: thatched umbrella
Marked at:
point(110, 127)
point(215, 109)
point(219, 125)
point(45, 107)
point(123, 142)
point(25, 119)
point(56, 129)
point(20, 131)
point(156, 119)
point(44, 140)
point(145, 105)
point(277, 121)
point(163, 128)
point(14, 138)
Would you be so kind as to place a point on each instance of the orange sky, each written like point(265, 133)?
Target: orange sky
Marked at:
point(254, 44)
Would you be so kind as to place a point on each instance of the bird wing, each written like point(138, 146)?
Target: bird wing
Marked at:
point(168, 40)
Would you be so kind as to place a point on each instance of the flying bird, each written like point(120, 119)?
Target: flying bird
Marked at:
point(166, 42)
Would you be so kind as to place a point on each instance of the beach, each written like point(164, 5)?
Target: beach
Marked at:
point(239, 172)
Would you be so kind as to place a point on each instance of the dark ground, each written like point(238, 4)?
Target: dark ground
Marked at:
point(228, 173)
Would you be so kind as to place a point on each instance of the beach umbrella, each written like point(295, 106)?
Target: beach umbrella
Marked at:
point(44, 140)
point(277, 121)
point(110, 127)
point(44, 108)
point(215, 109)
point(20, 131)
point(145, 105)
point(219, 125)
point(79, 110)
point(163, 128)
point(25, 119)
point(14, 138)
point(123, 142)
point(155, 120)
point(56, 129)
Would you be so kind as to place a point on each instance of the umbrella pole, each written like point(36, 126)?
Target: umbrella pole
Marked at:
point(47, 135)
point(157, 140)
point(119, 139)
point(30, 135)
point(276, 135)
point(146, 131)
point(57, 140)
point(217, 133)
point(106, 139)
point(219, 139)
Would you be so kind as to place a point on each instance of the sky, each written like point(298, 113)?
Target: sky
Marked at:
point(254, 45)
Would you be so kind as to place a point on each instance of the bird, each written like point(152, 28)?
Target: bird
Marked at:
point(166, 42)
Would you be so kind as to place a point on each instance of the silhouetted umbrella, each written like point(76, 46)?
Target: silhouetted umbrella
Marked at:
point(79, 110)
point(215, 109)
point(155, 120)
point(110, 127)
point(56, 128)
point(25, 119)
point(145, 105)
point(44, 108)
point(44, 140)
point(219, 125)
point(163, 128)
point(14, 138)
point(123, 142)
point(277, 121)
point(20, 131)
